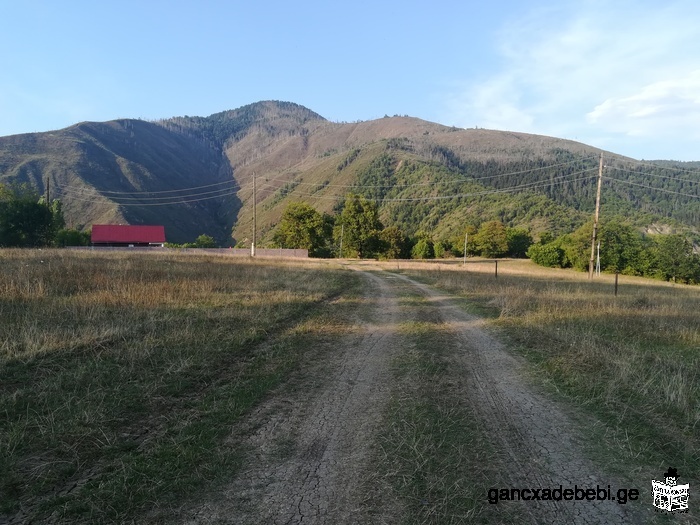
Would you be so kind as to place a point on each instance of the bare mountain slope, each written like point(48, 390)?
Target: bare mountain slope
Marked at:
point(195, 174)
point(102, 172)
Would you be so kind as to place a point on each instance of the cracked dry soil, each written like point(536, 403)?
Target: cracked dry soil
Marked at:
point(311, 452)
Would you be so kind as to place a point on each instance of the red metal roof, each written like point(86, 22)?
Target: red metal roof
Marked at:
point(125, 233)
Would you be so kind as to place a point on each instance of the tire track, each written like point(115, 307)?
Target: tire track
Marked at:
point(324, 478)
point(536, 435)
point(311, 458)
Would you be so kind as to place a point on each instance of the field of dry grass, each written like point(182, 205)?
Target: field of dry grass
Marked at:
point(632, 362)
point(121, 375)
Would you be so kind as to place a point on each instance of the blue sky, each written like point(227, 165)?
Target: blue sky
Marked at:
point(620, 75)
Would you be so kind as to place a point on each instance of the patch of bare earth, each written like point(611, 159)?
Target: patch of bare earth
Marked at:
point(311, 450)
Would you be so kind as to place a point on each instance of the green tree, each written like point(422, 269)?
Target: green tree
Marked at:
point(577, 247)
point(457, 242)
point(360, 227)
point(302, 226)
point(395, 242)
point(205, 241)
point(620, 248)
point(442, 248)
point(72, 237)
point(423, 249)
point(491, 239)
point(675, 259)
point(550, 255)
point(519, 241)
point(24, 221)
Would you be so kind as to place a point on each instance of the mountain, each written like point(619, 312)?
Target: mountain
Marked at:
point(196, 174)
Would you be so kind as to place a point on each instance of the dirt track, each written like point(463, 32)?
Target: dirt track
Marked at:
point(311, 458)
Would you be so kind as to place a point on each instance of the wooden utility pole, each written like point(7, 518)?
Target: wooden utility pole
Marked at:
point(595, 220)
point(48, 191)
point(342, 232)
point(255, 214)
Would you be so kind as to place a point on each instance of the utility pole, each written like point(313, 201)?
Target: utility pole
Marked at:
point(466, 236)
point(595, 220)
point(342, 232)
point(255, 214)
point(48, 191)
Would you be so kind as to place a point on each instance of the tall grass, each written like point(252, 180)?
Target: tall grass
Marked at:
point(633, 361)
point(122, 374)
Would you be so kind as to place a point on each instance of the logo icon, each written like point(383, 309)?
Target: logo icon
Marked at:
point(668, 495)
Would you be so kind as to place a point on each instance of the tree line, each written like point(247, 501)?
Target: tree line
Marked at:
point(357, 231)
point(30, 221)
point(623, 249)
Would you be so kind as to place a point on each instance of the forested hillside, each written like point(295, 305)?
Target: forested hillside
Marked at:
point(196, 175)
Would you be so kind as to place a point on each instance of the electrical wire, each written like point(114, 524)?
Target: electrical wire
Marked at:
point(653, 188)
point(642, 174)
point(157, 192)
point(530, 185)
point(118, 197)
point(183, 200)
point(171, 196)
point(432, 183)
point(527, 186)
point(651, 164)
point(138, 195)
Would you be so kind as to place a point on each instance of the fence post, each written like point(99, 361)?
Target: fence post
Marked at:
point(496, 261)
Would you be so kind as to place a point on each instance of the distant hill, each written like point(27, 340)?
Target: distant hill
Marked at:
point(195, 174)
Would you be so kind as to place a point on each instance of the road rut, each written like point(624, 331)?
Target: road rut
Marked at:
point(312, 454)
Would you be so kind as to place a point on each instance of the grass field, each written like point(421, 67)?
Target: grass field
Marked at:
point(631, 361)
point(121, 376)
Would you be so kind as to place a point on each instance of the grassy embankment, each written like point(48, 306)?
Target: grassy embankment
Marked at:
point(631, 361)
point(121, 376)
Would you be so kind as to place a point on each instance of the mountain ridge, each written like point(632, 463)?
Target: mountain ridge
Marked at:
point(195, 174)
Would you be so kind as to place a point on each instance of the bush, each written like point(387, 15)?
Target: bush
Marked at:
point(549, 255)
point(205, 241)
point(423, 249)
point(72, 237)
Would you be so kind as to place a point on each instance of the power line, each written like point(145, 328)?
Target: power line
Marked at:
point(643, 174)
point(530, 185)
point(654, 165)
point(156, 192)
point(432, 183)
point(138, 195)
point(654, 188)
point(162, 198)
point(183, 200)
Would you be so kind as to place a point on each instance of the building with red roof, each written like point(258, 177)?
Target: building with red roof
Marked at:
point(127, 235)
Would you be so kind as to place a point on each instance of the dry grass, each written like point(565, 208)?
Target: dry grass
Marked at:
point(121, 375)
point(435, 454)
point(633, 361)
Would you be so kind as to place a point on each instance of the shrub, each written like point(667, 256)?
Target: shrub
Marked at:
point(549, 255)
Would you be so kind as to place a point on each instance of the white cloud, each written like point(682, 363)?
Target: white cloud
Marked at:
point(592, 70)
point(663, 109)
point(500, 103)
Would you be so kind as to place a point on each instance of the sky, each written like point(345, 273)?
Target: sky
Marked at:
point(615, 74)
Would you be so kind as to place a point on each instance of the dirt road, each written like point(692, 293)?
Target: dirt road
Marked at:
point(313, 448)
